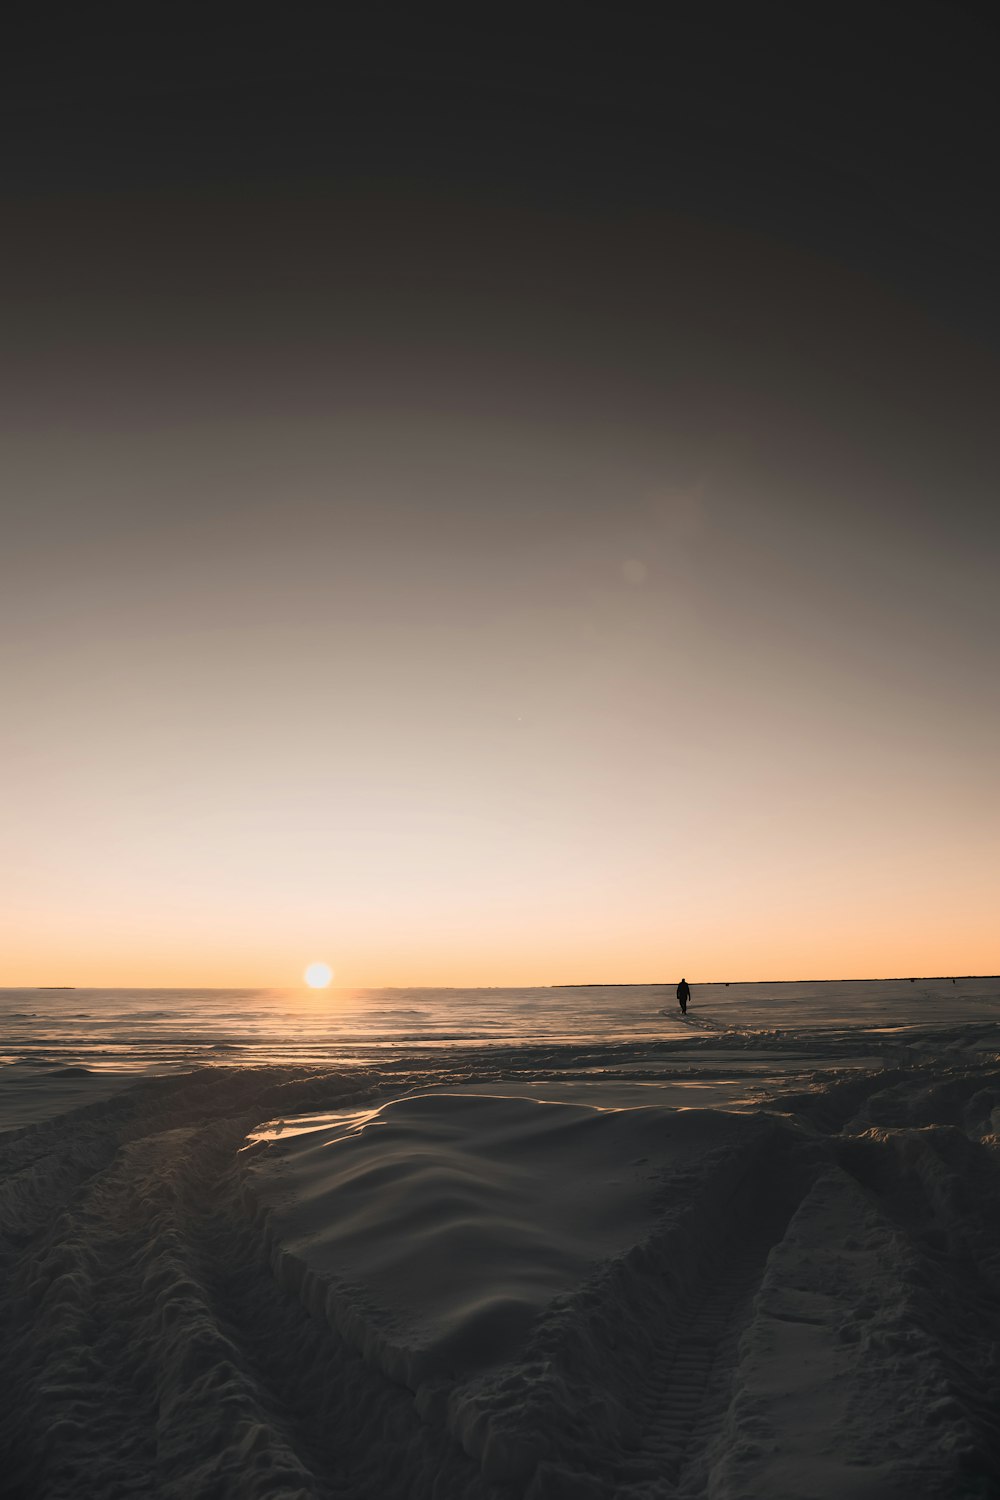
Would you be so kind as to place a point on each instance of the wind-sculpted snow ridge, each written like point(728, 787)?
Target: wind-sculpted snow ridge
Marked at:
point(801, 1300)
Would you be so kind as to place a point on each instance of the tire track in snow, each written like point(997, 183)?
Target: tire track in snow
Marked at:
point(633, 1372)
point(148, 1350)
point(942, 1192)
point(340, 1416)
point(687, 1390)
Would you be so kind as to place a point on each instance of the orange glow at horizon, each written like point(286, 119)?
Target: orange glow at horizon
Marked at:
point(587, 701)
point(822, 935)
point(489, 854)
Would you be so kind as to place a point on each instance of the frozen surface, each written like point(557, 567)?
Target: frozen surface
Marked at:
point(129, 1034)
point(754, 1255)
point(109, 1029)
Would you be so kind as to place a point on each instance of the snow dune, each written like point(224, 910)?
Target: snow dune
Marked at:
point(435, 1231)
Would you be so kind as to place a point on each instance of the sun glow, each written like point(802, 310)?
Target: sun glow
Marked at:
point(318, 976)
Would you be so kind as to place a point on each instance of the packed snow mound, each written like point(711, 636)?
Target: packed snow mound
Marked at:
point(440, 1226)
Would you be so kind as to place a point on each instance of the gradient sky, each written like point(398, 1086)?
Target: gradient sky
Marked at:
point(502, 512)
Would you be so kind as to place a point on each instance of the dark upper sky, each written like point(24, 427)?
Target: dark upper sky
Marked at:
point(863, 131)
point(580, 374)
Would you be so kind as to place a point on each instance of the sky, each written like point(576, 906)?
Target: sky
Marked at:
point(500, 507)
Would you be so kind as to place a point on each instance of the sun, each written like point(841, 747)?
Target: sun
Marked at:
point(318, 976)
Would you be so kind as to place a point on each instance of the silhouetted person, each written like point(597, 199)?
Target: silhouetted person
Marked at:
point(683, 996)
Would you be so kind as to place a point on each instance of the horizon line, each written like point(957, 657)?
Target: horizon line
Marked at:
point(590, 984)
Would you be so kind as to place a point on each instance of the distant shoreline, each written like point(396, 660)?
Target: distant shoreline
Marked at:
point(591, 984)
point(654, 983)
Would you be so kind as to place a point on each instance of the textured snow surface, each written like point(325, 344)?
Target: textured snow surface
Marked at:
point(474, 1281)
